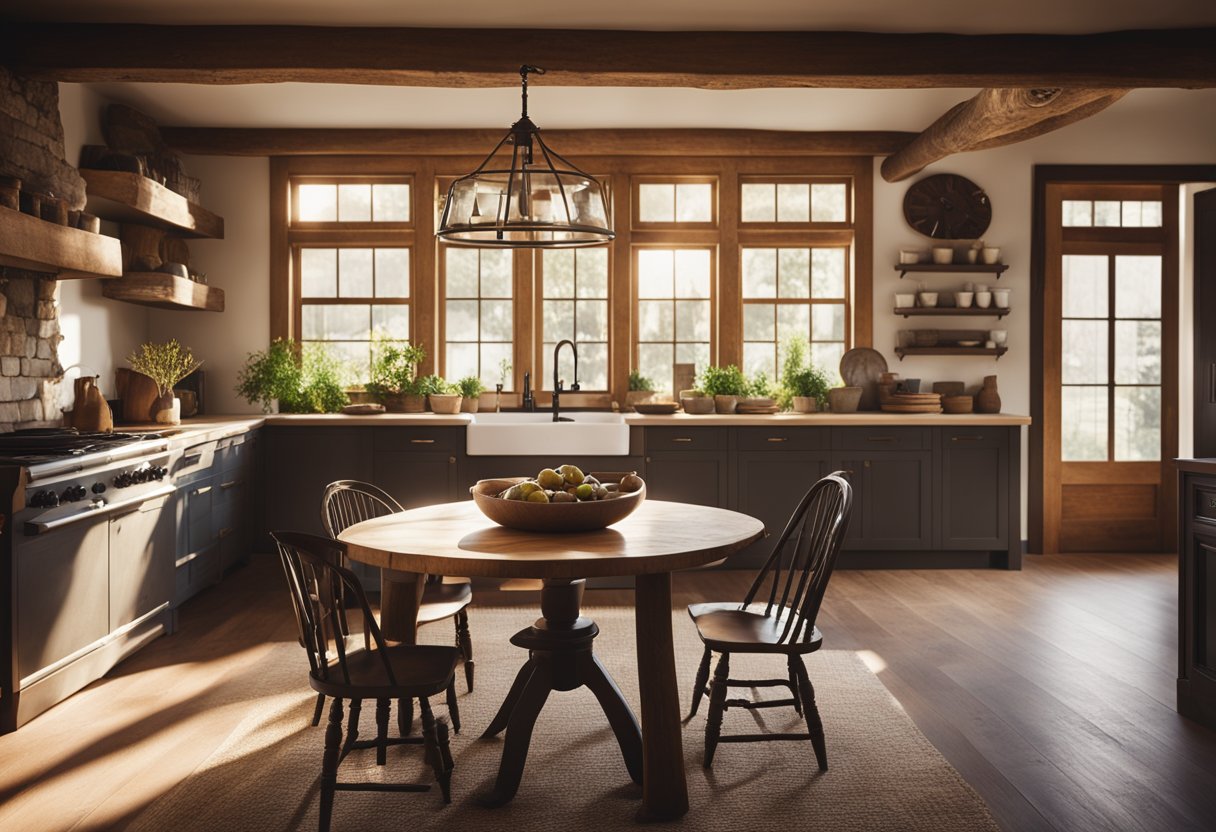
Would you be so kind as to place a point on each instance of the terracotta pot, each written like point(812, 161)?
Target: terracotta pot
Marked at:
point(988, 400)
point(806, 404)
point(697, 405)
point(405, 403)
point(844, 399)
point(447, 403)
point(167, 410)
point(726, 404)
point(469, 404)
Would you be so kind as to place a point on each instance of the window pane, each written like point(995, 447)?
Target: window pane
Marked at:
point(827, 272)
point(392, 272)
point(656, 202)
point(495, 273)
point(692, 273)
point(1137, 352)
point(391, 321)
point(759, 273)
point(460, 320)
point(759, 322)
point(1138, 286)
point(461, 272)
point(352, 357)
point(695, 202)
point(1083, 423)
point(656, 320)
point(1085, 286)
point(1150, 214)
point(492, 355)
point(696, 354)
point(355, 272)
point(558, 320)
point(319, 272)
point(1131, 213)
point(318, 203)
point(760, 358)
point(793, 202)
point(759, 202)
point(335, 322)
point(1084, 352)
point(794, 273)
point(656, 273)
point(559, 273)
point(1137, 423)
point(462, 361)
point(655, 361)
point(827, 358)
point(592, 366)
point(692, 320)
point(354, 203)
point(592, 321)
point(496, 324)
point(793, 321)
point(391, 203)
point(592, 272)
point(828, 322)
point(1106, 213)
point(829, 203)
point(1078, 213)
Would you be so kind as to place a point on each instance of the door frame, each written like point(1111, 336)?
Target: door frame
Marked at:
point(1044, 539)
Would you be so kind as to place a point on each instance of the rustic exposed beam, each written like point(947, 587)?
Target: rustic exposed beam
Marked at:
point(994, 118)
point(712, 60)
point(224, 141)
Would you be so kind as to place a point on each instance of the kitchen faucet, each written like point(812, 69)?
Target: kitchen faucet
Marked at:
point(529, 401)
point(557, 382)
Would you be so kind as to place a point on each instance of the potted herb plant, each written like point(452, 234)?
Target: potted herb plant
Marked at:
point(321, 389)
point(470, 388)
point(641, 389)
point(441, 396)
point(504, 370)
point(726, 384)
point(803, 385)
point(394, 376)
point(270, 376)
point(166, 364)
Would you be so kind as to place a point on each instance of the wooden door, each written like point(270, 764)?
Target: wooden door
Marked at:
point(1204, 316)
point(1110, 378)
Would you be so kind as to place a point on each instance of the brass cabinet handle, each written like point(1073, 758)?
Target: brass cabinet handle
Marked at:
point(777, 439)
point(202, 490)
point(224, 486)
point(681, 439)
point(422, 441)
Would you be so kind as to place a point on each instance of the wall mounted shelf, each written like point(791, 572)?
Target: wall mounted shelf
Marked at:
point(903, 352)
point(130, 198)
point(904, 269)
point(164, 291)
point(40, 246)
point(951, 311)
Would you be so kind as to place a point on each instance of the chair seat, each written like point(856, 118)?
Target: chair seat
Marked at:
point(443, 600)
point(725, 628)
point(420, 670)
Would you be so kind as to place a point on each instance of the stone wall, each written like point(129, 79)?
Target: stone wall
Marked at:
point(29, 366)
point(31, 139)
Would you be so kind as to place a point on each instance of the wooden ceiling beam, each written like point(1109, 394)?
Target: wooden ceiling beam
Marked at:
point(712, 60)
point(996, 117)
point(226, 141)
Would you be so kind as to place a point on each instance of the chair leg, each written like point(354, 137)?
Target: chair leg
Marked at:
point(329, 764)
point(453, 707)
point(352, 725)
point(435, 740)
point(811, 713)
point(698, 687)
point(381, 731)
point(717, 707)
point(317, 711)
point(405, 716)
point(793, 674)
point(465, 642)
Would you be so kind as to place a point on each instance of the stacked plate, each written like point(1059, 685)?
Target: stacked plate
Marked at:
point(756, 405)
point(913, 403)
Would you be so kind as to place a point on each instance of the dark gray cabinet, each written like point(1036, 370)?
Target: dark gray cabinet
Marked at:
point(974, 488)
point(1197, 596)
point(418, 466)
point(768, 486)
point(141, 575)
point(301, 461)
point(891, 470)
point(699, 477)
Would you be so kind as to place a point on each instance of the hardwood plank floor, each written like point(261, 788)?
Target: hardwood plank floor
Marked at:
point(1051, 690)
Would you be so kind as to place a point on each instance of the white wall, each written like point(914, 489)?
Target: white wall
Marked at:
point(98, 333)
point(238, 189)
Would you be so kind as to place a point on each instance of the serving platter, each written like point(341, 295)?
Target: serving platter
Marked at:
point(863, 367)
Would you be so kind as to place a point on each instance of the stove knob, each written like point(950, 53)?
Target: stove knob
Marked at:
point(73, 493)
point(44, 499)
point(141, 475)
point(122, 481)
point(159, 471)
point(99, 488)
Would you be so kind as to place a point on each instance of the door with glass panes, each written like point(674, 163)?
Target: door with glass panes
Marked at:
point(1111, 367)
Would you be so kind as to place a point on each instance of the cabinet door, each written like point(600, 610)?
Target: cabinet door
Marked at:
point(892, 499)
point(688, 477)
point(414, 478)
point(300, 462)
point(769, 486)
point(141, 561)
point(974, 501)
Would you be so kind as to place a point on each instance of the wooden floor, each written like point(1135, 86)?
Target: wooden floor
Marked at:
point(1051, 690)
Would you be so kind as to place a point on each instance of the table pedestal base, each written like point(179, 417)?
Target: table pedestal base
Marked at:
point(559, 658)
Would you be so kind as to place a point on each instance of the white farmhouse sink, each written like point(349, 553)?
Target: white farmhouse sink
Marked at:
point(536, 434)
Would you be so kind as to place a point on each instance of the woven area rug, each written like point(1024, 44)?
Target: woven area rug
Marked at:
point(884, 775)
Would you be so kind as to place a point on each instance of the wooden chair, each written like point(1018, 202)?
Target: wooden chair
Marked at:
point(347, 502)
point(798, 568)
point(318, 584)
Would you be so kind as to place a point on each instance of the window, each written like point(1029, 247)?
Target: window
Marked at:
point(1112, 213)
point(794, 201)
point(479, 311)
point(793, 292)
point(684, 201)
point(346, 202)
point(674, 316)
point(574, 306)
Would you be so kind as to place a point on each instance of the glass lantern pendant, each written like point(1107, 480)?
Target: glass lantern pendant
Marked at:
point(538, 200)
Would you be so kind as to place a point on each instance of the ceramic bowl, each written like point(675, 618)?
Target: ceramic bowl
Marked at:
point(907, 257)
point(943, 256)
point(844, 399)
point(554, 517)
point(991, 255)
point(928, 299)
point(904, 300)
point(963, 299)
point(697, 405)
point(983, 299)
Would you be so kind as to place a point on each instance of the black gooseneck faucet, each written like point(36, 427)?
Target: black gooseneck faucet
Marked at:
point(557, 382)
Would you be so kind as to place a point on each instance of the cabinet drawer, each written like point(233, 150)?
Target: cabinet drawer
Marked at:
point(1205, 501)
point(881, 439)
point(685, 439)
point(233, 453)
point(783, 439)
point(410, 438)
point(974, 437)
point(195, 461)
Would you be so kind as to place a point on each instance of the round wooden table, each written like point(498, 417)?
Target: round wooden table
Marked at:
point(656, 540)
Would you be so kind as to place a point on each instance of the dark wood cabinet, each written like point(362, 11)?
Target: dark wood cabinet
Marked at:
point(1197, 591)
point(699, 477)
point(892, 499)
point(768, 486)
point(300, 462)
point(974, 488)
point(418, 467)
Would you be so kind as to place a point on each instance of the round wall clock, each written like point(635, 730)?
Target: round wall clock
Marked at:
point(948, 207)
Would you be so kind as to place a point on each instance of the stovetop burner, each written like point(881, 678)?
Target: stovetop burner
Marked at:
point(45, 444)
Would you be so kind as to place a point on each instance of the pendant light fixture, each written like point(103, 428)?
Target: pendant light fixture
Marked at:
point(536, 199)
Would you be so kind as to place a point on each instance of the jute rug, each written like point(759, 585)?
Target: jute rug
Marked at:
point(885, 775)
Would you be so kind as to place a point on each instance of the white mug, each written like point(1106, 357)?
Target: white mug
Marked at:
point(904, 299)
point(983, 299)
point(990, 345)
point(991, 255)
point(943, 256)
point(1001, 298)
point(928, 298)
point(963, 299)
point(908, 256)
point(999, 336)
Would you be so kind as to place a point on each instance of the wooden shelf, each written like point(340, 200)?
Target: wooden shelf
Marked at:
point(40, 246)
point(128, 197)
point(164, 291)
point(952, 311)
point(951, 268)
point(903, 352)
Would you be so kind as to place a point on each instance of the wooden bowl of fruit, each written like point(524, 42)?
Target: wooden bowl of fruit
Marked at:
point(560, 499)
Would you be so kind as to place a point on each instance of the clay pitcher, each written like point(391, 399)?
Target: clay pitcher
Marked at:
point(988, 400)
point(91, 412)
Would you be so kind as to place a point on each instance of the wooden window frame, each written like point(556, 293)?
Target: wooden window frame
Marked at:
point(714, 294)
point(776, 225)
point(538, 316)
point(518, 287)
point(635, 188)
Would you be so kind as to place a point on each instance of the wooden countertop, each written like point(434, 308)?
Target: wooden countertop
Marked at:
point(1197, 466)
point(868, 419)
